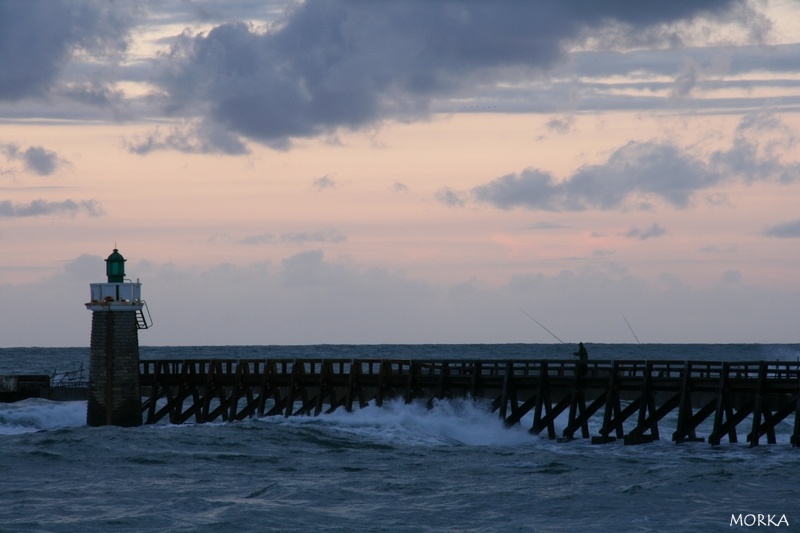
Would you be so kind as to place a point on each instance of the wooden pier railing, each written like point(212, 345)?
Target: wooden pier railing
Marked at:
point(631, 397)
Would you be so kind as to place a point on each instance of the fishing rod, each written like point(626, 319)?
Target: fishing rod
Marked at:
point(542, 325)
point(630, 328)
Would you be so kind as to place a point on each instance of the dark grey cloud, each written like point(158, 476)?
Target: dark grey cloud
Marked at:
point(719, 60)
point(301, 69)
point(399, 187)
point(92, 93)
point(38, 208)
point(786, 230)
point(656, 77)
point(38, 37)
point(640, 171)
point(36, 159)
point(219, 11)
point(335, 64)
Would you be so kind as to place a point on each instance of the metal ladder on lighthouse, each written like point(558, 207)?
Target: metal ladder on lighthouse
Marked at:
point(143, 321)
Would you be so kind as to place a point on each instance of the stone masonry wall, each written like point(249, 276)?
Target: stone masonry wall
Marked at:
point(114, 395)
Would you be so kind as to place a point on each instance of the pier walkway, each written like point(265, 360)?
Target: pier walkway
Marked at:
point(636, 400)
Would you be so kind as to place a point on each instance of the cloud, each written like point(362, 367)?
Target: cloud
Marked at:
point(399, 187)
point(340, 64)
point(39, 208)
point(40, 161)
point(325, 182)
point(759, 141)
point(731, 277)
point(639, 171)
point(686, 81)
point(303, 237)
point(545, 225)
point(711, 249)
point(195, 138)
point(602, 252)
point(303, 69)
point(92, 93)
point(787, 230)
point(561, 125)
point(653, 231)
point(36, 159)
point(38, 37)
point(309, 299)
point(450, 198)
point(308, 269)
point(299, 237)
point(263, 238)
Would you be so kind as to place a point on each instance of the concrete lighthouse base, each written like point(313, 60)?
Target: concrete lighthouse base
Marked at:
point(114, 395)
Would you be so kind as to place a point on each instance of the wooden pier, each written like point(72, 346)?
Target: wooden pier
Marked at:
point(632, 398)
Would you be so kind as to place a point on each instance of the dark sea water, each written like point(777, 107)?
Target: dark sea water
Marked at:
point(395, 468)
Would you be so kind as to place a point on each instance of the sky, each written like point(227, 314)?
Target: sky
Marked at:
point(331, 171)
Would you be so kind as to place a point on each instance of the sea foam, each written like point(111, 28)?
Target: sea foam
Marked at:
point(35, 414)
point(448, 422)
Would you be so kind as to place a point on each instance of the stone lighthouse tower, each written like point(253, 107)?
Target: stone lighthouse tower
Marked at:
point(117, 316)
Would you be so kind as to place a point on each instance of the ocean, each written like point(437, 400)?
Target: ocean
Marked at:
point(395, 468)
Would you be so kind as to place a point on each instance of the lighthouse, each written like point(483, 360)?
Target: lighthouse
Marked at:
point(118, 313)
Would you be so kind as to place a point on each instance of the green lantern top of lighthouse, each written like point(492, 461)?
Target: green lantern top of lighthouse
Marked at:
point(115, 267)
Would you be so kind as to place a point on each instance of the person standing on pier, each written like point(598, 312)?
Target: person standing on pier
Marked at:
point(582, 353)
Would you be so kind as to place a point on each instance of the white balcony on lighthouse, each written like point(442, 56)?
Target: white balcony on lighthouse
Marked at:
point(115, 296)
